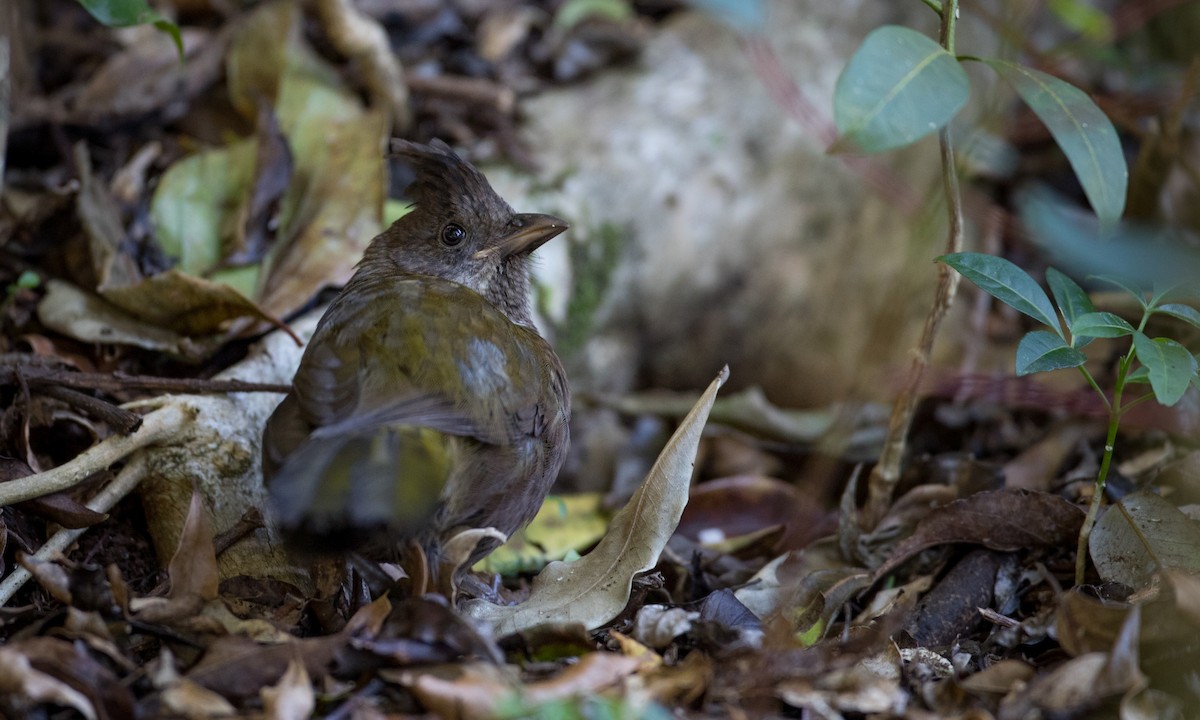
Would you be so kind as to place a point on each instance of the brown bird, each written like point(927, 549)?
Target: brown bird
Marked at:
point(426, 402)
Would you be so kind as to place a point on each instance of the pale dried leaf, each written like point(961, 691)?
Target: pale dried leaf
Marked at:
point(292, 697)
point(193, 568)
point(595, 588)
point(19, 678)
point(187, 699)
point(1140, 535)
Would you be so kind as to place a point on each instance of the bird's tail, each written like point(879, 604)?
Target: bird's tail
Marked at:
point(341, 492)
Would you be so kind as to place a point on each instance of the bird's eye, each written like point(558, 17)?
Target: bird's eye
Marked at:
point(453, 235)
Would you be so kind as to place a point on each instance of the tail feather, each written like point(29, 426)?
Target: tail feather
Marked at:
point(334, 492)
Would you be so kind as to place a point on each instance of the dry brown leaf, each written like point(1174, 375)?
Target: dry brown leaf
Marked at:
point(595, 588)
point(187, 304)
point(478, 691)
point(1141, 535)
point(334, 202)
point(738, 505)
point(187, 699)
point(193, 568)
point(87, 317)
point(18, 679)
point(1000, 519)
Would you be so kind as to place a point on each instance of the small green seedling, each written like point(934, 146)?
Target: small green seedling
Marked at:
point(1163, 363)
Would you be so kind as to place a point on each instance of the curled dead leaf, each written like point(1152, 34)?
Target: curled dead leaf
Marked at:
point(595, 588)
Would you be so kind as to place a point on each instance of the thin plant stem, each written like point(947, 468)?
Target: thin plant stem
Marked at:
point(1131, 405)
point(1096, 386)
point(1114, 421)
point(886, 473)
point(1115, 410)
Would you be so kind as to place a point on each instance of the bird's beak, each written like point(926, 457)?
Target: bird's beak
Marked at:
point(529, 232)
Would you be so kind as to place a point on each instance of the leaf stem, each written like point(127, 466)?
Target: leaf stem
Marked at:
point(949, 13)
point(1130, 405)
point(933, 5)
point(1095, 386)
point(1114, 421)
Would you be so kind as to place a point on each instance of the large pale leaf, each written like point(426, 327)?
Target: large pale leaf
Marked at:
point(1141, 535)
point(334, 197)
point(1007, 283)
point(333, 205)
point(594, 589)
point(1179, 311)
point(1170, 365)
point(193, 205)
point(1081, 129)
point(899, 87)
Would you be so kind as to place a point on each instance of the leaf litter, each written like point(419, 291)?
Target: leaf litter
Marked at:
point(763, 602)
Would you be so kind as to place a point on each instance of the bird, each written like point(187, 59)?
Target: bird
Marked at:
point(426, 401)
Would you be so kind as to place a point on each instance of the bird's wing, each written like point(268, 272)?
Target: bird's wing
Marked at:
point(441, 370)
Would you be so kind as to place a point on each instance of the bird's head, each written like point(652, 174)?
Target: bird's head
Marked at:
point(461, 230)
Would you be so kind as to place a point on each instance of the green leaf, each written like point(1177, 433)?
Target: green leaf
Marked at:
point(1125, 285)
point(1007, 283)
point(899, 87)
point(1071, 299)
point(192, 204)
point(1081, 129)
point(1084, 19)
point(1170, 365)
point(28, 279)
point(1042, 351)
point(1141, 376)
point(1100, 325)
point(1186, 313)
point(123, 13)
point(573, 12)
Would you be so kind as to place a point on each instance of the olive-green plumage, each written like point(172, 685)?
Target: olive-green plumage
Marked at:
point(426, 402)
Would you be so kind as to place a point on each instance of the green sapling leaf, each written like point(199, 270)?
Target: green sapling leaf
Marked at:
point(1141, 375)
point(1100, 325)
point(1170, 365)
point(1186, 313)
point(1041, 351)
point(1072, 300)
point(1007, 283)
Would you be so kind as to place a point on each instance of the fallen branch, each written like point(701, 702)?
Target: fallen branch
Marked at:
point(162, 424)
point(105, 500)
